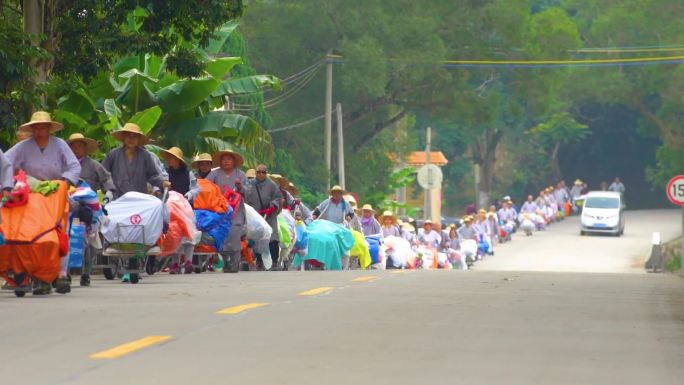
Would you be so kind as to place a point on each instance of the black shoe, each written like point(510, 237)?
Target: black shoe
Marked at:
point(85, 280)
point(63, 286)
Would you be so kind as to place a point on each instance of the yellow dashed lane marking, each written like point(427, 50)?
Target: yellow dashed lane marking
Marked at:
point(317, 291)
point(364, 279)
point(241, 308)
point(130, 347)
point(400, 271)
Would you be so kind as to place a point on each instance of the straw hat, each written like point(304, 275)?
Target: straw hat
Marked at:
point(578, 182)
point(367, 207)
point(239, 160)
point(174, 152)
point(481, 211)
point(427, 222)
point(337, 189)
point(91, 145)
point(41, 117)
point(292, 189)
point(468, 218)
point(388, 214)
point(130, 128)
point(408, 227)
point(251, 173)
point(203, 157)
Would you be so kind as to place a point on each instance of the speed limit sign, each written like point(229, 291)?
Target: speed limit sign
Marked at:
point(675, 190)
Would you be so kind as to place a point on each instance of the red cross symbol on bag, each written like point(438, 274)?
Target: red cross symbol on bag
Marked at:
point(136, 219)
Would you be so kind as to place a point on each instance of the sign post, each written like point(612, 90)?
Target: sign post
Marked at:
point(675, 193)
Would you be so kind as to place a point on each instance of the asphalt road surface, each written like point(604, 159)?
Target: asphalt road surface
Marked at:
point(356, 327)
point(561, 248)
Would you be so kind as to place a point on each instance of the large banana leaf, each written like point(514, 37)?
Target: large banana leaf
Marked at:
point(247, 85)
point(186, 94)
point(221, 36)
point(238, 129)
point(220, 68)
point(135, 94)
point(77, 102)
point(147, 119)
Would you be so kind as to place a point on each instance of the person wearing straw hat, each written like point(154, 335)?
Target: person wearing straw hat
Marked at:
point(408, 232)
point(265, 197)
point(182, 180)
point(428, 236)
point(46, 157)
point(467, 231)
point(390, 228)
point(251, 175)
point(132, 166)
point(369, 225)
point(227, 175)
point(203, 164)
point(92, 172)
point(334, 209)
point(43, 155)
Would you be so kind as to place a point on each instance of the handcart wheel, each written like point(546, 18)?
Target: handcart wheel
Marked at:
point(198, 270)
point(151, 265)
point(19, 293)
point(135, 278)
point(108, 273)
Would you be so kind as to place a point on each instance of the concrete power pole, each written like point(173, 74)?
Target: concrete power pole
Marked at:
point(428, 192)
point(328, 115)
point(340, 147)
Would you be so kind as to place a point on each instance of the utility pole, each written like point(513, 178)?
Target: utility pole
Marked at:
point(340, 147)
point(328, 114)
point(428, 192)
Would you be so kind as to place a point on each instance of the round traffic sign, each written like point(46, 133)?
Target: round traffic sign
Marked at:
point(675, 190)
point(430, 176)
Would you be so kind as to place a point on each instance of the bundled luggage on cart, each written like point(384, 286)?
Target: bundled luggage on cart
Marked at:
point(213, 217)
point(131, 230)
point(36, 239)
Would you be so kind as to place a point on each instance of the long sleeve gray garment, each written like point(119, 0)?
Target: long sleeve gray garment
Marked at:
point(334, 212)
point(467, 232)
point(392, 231)
point(262, 195)
point(56, 161)
point(6, 172)
point(528, 207)
point(96, 175)
point(222, 180)
point(370, 226)
point(134, 174)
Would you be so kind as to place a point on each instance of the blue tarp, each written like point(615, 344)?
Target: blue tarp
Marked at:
point(215, 225)
point(328, 243)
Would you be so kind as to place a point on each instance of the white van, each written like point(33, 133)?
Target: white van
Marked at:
point(603, 212)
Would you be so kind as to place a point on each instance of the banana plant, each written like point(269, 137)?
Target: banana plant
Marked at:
point(184, 112)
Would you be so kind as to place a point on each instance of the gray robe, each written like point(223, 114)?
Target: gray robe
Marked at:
point(95, 175)
point(133, 175)
point(261, 196)
point(218, 177)
point(6, 172)
point(372, 228)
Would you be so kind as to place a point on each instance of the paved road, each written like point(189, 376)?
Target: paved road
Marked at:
point(562, 249)
point(429, 327)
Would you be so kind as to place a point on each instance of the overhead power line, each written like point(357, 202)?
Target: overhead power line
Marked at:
point(300, 124)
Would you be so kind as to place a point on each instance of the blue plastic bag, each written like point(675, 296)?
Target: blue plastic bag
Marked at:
point(77, 246)
point(302, 242)
point(215, 224)
point(374, 248)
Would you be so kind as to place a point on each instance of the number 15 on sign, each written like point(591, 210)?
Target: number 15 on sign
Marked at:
point(675, 190)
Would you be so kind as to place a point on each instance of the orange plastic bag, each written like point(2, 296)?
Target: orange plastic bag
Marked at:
point(171, 241)
point(33, 243)
point(210, 198)
point(247, 254)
